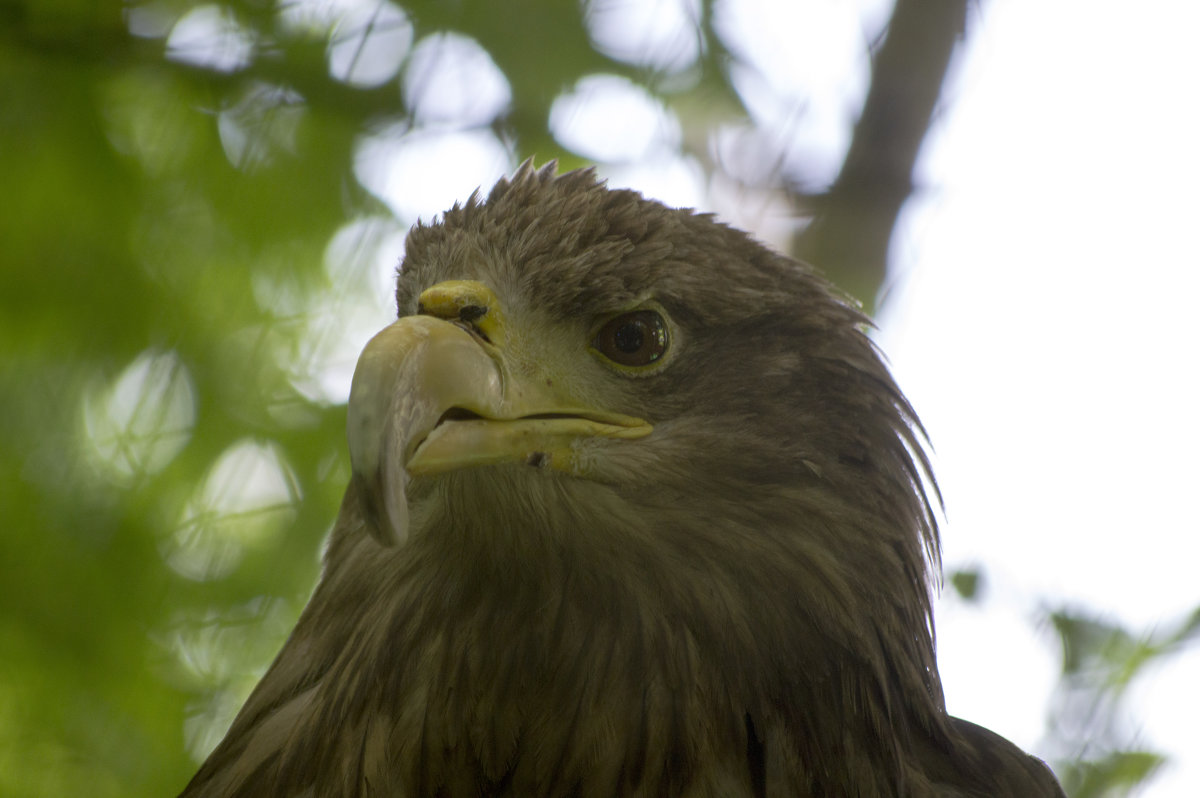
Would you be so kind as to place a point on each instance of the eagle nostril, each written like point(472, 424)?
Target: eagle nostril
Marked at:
point(471, 313)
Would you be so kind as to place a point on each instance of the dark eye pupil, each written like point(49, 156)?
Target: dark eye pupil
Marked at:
point(629, 337)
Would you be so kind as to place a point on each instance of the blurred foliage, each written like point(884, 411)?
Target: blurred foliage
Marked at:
point(189, 260)
point(1090, 720)
point(968, 583)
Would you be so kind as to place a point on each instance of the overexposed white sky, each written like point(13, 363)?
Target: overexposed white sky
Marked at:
point(1042, 322)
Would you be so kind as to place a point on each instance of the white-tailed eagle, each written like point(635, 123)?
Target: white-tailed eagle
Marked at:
point(636, 510)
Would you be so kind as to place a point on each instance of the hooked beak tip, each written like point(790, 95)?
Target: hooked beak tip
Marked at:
point(385, 521)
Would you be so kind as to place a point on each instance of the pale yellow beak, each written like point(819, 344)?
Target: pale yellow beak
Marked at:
point(430, 397)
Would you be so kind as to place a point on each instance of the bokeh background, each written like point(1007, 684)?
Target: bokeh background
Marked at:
point(202, 205)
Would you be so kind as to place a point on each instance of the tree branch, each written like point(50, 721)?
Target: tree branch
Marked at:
point(853, 222)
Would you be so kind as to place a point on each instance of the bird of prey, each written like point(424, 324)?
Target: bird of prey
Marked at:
point(636, 510)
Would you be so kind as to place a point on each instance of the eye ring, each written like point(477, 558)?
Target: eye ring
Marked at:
point(637, 339)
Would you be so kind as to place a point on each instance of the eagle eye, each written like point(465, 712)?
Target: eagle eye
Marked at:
point(634, 339)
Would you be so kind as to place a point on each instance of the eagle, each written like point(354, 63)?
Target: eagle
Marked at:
point(636, 509)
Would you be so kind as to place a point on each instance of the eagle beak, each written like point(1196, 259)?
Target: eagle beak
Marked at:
point(429, 397)
point(408, 375)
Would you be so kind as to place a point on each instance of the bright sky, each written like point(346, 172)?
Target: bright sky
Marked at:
point(1041, 323)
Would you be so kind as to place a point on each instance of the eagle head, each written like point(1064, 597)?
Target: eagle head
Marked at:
point(636, 509)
